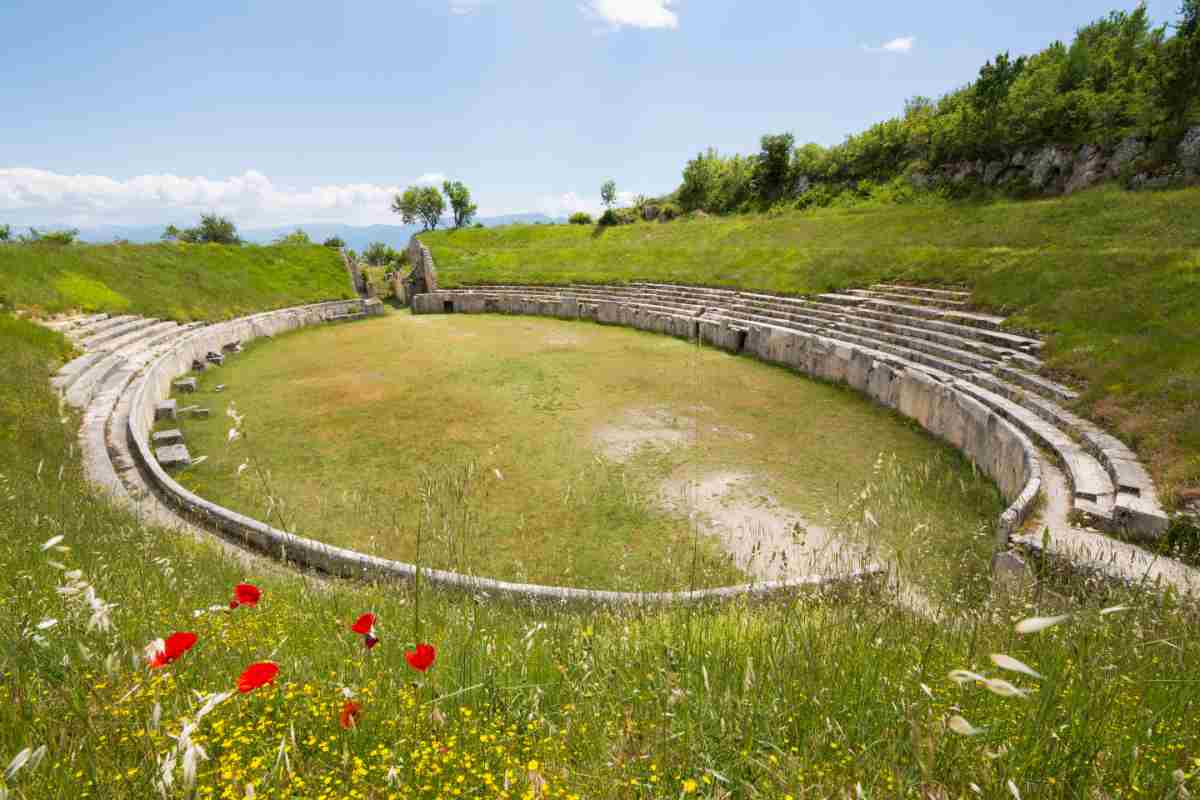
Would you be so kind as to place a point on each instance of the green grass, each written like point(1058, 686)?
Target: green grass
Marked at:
point(350, 430)
point(1111, 277)
point(172, 281)
point(821, 697)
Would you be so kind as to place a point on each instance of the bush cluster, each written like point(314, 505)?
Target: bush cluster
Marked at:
point(1118, 78)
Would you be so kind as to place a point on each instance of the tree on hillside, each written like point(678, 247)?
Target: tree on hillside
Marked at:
point(5, 233)
point(296, 237)
point(1178, 78)
point(335, 242)
point(211, 230)
point(772, 168)
point(460, 202)
point(608, 193)
point(420, 203)
point(379, 254)
point(992, 87)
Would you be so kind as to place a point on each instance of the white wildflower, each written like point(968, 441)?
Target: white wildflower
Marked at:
point(1013, 665)
point(392, 777)
point(1035, 624)
point(47, 624)
point(1012, 789)
point(242, 468)
point(1114, 610)
point(100, 619)
point(233, 435)
point(51, 542)
point(962, 727)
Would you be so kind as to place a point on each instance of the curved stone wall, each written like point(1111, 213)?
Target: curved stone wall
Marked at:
point(1003, 452)
point(155, 385)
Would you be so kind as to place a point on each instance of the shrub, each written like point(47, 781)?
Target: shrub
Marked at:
point(669, 211)
point(379, 254)
point(296, 237)
point(51, 237)
point(580, 218)
point(5, 233)
point(609, 217)
point(335, 242)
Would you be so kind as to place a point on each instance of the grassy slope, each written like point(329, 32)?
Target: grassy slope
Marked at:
point(1112, 277)
point(182, 282)
point(805, 699)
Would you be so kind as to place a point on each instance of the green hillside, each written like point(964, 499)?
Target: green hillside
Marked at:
point(174, 281)
point(1111, 277)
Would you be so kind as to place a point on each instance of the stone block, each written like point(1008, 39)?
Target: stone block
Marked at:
point(198, 365)
point(215, 358)
point(220, 387)
point(1010, 573)
point(165, 409)
point(185, 385)
point(233, 347)
point(175, 455)
point(196, 412)
point(164, 438)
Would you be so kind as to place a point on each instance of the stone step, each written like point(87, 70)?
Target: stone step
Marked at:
point(1036, 383)
point(1093, 489)
point(64, 324)
point(85, 331)
point(918, 299)
point(117, 332)
point(70, 371)
point(996, 337)
point(84, 324)
point(951, 294)
point(967, 318)
point(82, 385)
point(837, 299)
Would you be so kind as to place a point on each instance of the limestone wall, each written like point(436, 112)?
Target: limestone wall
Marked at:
point(1003, 453)
point(155, 385)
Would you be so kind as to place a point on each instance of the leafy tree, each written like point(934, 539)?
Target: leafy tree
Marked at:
point(296, 237)
point(1178, 80)
point(772, 168)
point(460, 202)
point(335, 242)
point(5, 233)
point(424, 203)
point(608, 193)
point(379, 254)
point(211, 230)
point(580, 218)
point(67, 236)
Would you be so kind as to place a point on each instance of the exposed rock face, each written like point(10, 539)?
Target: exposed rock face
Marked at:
point(1089, 169)
point(1047, 167)
point(423, 278)
point(803, 184)
point(992, 172)
point(1189, 152)
point(1127, 151)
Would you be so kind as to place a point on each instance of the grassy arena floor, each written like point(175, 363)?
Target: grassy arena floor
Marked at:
point(537, 450)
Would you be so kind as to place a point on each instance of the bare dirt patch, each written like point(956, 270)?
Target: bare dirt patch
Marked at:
point(767, 540)
point(644, 427)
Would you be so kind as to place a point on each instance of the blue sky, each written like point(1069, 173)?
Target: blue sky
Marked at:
point(297, 111)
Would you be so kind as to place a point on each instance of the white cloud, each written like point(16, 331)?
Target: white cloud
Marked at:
point(465, 8)
point(902, 44)
point(634, 13)
point(35, 196)
point(566, 204)
point(431, 179)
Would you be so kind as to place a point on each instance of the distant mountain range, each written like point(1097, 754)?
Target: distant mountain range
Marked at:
point(356, 237)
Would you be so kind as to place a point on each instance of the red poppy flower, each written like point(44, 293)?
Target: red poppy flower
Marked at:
point(366, 626)
point(349, 716)
point(245, 594)
point(175, 646)
point(422, 658)
point(257, 675)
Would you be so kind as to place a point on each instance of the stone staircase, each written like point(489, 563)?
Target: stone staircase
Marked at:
point(933, 330)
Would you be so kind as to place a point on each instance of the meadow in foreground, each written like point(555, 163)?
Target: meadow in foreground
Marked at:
point(824, 696)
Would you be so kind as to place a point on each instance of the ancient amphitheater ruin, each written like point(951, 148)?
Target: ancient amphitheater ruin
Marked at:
point(1075, 493)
